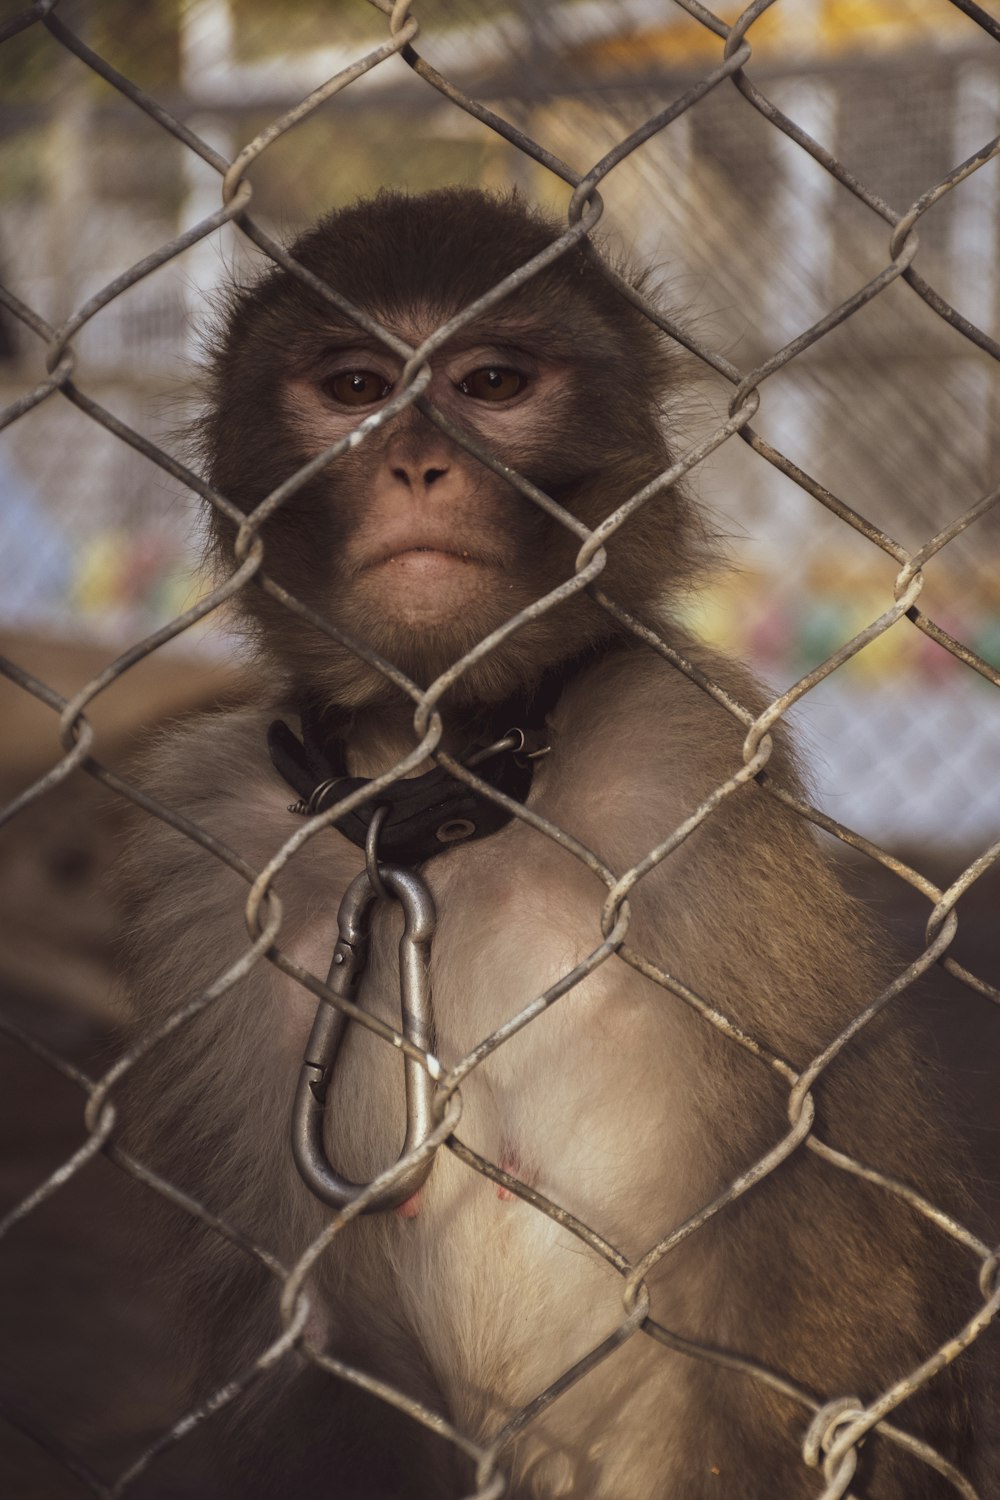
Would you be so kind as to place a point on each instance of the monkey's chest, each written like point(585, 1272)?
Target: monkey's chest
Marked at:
point(565, 1060)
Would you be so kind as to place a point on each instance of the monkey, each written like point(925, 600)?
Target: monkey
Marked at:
point(432, 524)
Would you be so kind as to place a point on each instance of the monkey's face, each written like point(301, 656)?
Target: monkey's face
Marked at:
point(406, 539)
point(422, 549)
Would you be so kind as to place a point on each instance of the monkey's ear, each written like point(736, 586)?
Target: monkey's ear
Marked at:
point(293, 761)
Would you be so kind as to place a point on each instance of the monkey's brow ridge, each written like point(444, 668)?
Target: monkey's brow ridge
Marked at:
point(515, 331)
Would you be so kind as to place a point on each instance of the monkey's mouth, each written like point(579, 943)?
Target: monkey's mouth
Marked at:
point(432, 554)
point(428, 557)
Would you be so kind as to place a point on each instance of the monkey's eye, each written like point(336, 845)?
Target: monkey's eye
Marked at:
point(357, 387)
point(494, 383)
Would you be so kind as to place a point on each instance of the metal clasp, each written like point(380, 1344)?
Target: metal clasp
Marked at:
point(346, 968)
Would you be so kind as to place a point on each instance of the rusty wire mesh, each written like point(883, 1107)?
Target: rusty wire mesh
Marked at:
point(834, 1430)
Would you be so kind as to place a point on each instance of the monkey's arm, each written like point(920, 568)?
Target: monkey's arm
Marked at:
point(817, 1273)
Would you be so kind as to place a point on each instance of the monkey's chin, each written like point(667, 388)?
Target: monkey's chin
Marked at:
point(424, 587)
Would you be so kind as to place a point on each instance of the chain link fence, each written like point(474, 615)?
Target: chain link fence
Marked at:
point(723, 54)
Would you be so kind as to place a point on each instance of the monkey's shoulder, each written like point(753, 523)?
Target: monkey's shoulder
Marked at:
point(216, 765)
point(648, 719)
point(182, 879)
point(210, 775)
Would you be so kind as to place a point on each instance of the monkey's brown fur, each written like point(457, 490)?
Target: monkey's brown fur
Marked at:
point(619, 1102)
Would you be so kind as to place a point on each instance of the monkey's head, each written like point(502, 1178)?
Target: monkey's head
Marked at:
point(406, 540)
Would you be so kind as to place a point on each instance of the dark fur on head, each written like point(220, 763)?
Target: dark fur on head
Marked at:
point(398, 257)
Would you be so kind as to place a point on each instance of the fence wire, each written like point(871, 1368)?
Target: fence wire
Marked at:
point(837, 1428)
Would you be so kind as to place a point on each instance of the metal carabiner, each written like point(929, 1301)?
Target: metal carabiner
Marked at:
point(330, 1026)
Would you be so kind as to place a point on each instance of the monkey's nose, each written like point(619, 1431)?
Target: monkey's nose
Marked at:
point(416, 476)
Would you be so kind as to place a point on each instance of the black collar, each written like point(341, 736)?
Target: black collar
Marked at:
point(433, 812)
